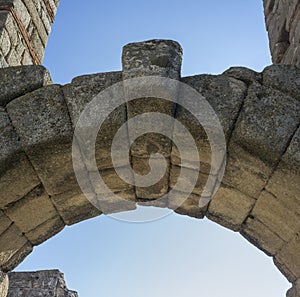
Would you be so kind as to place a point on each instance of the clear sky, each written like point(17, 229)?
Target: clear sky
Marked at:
point(175, 256)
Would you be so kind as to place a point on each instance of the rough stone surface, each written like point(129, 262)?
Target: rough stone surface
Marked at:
point(295, 291)
point(47, 283)
point(261, 236)
point(17, 81)
point(24, 31)
point(153, 57)
point(32, 211)
point(74, 207)
point(160, 58)
point(3, 284)
point(283, 25)
point(267, 122)
point(281, 220)
point(287, 260)
point(48, 141)
point(11, 243)
point(285, 182)
point(259, 194)
point(230, 208)
point(17, 176)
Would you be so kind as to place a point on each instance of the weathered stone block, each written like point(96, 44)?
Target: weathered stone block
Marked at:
point(153, 57)
point(17, 176)
point(278, 218)
point(17, 81)
point(285, 181)
point(188, 206)
point(11, 242)
point(245, 172)
point(285, 78)
point(5, 222)
point(17, 258)
point(266, 123)
point(45, 231)
point(112, 181)
point(225, 95)
point(32, 211)
point(187, 177)
point(84, 88)
point(261, 236)
point(157, 190)
point(42, 121)
point(74, 207)
point(78, 95)
point(282, 19)
point(49, 283)
point(244, 74)
point(120, 202)
point(229, 208)
point(288, 261)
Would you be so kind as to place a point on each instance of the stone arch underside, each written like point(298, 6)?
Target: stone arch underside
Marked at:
point(39, 194)
point(259, 112)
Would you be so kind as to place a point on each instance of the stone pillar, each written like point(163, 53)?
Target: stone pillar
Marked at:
point(24, 29)
point(37, 284)
point(283, 25)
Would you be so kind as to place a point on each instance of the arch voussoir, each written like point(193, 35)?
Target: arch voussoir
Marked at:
point(40, 190)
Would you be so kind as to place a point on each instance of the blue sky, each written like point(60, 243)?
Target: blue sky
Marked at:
point(175, 256)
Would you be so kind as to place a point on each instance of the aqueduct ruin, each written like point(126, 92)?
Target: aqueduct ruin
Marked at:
point(259, 196)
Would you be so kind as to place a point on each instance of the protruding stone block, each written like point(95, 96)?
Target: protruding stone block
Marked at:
point(245, 172)
point(18, 257)
point(42, 122)
point(154, 57)
point(20, 80)
point(288, 259)
point(248, 76)
point(225, 96)
point(32, 211)
point(74, 207)
point(46, 230)
point(11, 242)
point(278, 218)
point(285, 78)
point(155, 191)
point(261, 236)
point(17, 176)
point(5, 222)
point(230, 208)
point(285, 181)
point(161, 58)
point(266, 123)
point(79, 94)
point(188, 206)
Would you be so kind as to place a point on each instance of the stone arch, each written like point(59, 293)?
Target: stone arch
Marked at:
point(259, 194)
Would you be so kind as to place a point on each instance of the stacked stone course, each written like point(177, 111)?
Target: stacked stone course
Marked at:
point(48, 283)
point(283, 25)
point(24, 29)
